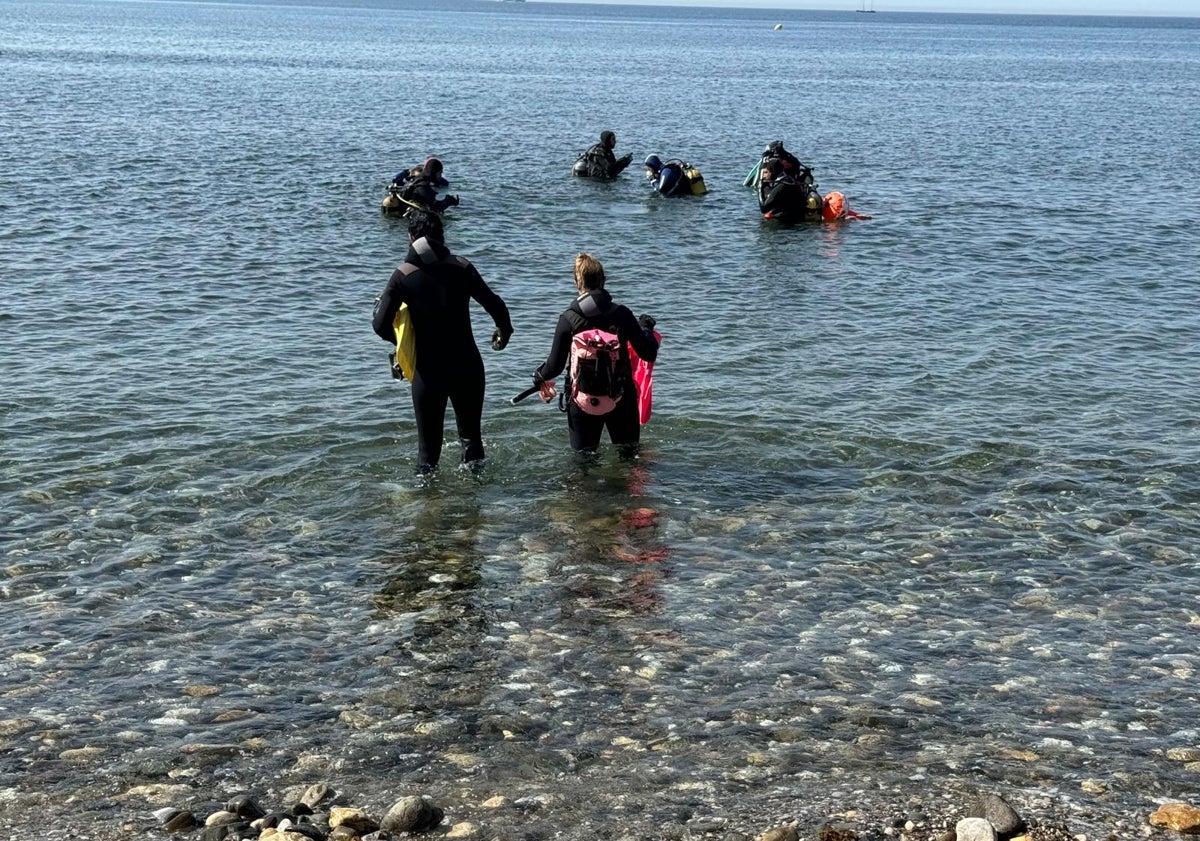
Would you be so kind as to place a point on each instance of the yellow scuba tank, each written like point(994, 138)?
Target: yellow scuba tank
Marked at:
point(391, 204)
point(696, 181)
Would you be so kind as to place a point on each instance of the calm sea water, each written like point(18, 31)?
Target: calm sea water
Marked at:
point(918, 507)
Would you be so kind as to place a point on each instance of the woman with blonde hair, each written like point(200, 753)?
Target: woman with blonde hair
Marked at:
point(593, 338)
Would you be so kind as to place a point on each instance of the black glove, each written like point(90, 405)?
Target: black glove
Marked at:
point(499, 340)
point(625, 160)
point(647, 322)
point(451, 201)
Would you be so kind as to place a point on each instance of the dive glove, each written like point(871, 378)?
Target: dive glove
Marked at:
point(647, 322)
point(499, 340)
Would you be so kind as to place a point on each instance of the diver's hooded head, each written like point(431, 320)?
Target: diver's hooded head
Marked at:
point(653, 164)
point(423, 224)
point(608, 139)
point(432, 168)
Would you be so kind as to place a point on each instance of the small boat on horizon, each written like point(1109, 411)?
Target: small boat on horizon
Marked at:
point(863, 7)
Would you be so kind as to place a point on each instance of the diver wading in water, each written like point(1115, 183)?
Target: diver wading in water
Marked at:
point(592, 340)
point(600, 161)
point(417, 189)
point(437, 288)
point(786, 191)
point(674, 178)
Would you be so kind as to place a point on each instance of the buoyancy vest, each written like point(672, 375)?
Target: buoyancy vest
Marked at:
point(789, 199)
point(596, 162)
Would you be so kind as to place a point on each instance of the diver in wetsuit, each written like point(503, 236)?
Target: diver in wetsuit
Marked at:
point(422, 189)
point(668, 178)
point(600, 161)
point(438, 288)
point(786, 197)
point(594, 309)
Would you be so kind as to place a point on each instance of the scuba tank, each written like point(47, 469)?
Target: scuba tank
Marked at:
point(813, 206)
point(695, 181)
point(392, 204)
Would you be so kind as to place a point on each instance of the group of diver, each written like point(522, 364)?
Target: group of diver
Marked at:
point(786, 190)
point(785, 186)
point(606, 352)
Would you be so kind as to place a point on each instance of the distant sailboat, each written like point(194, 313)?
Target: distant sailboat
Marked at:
point(864, 8)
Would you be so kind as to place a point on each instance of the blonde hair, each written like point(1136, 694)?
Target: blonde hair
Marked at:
point(589, 274)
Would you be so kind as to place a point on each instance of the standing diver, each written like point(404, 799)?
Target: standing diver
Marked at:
point(592, 312)
point(438, 287)
point(599, 161)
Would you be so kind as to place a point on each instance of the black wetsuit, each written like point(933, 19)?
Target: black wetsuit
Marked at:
point(600, 162)
point(785, 195)
point(422, 190)
point(438, 288)
point(596, 311)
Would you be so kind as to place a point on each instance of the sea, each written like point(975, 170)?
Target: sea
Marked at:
point(917, 513)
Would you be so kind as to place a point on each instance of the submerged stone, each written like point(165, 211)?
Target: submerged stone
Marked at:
point(1177, 816)
point(411, 814)
point(352, 818)
point(246, 808)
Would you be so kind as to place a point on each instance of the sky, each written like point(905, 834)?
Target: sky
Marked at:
point(1188, 8)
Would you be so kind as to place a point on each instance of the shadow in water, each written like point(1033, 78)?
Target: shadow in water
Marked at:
point(434, 576)
point(612, 558)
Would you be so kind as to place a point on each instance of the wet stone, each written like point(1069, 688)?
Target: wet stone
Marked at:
point(410, 814)
point(317, 794)
point(780, 833)
point(307, 831)
point(175, 820)
point(352, 818)
point(201, 691)
point(245, 808)
point(1177, 816)
point(222, 818)
point(974, 829)
point(837, 832)
point(231, 831)
point(14, 726)
point(998, 813)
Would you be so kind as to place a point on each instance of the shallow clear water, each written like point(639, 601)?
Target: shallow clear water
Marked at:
point(918, 506)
